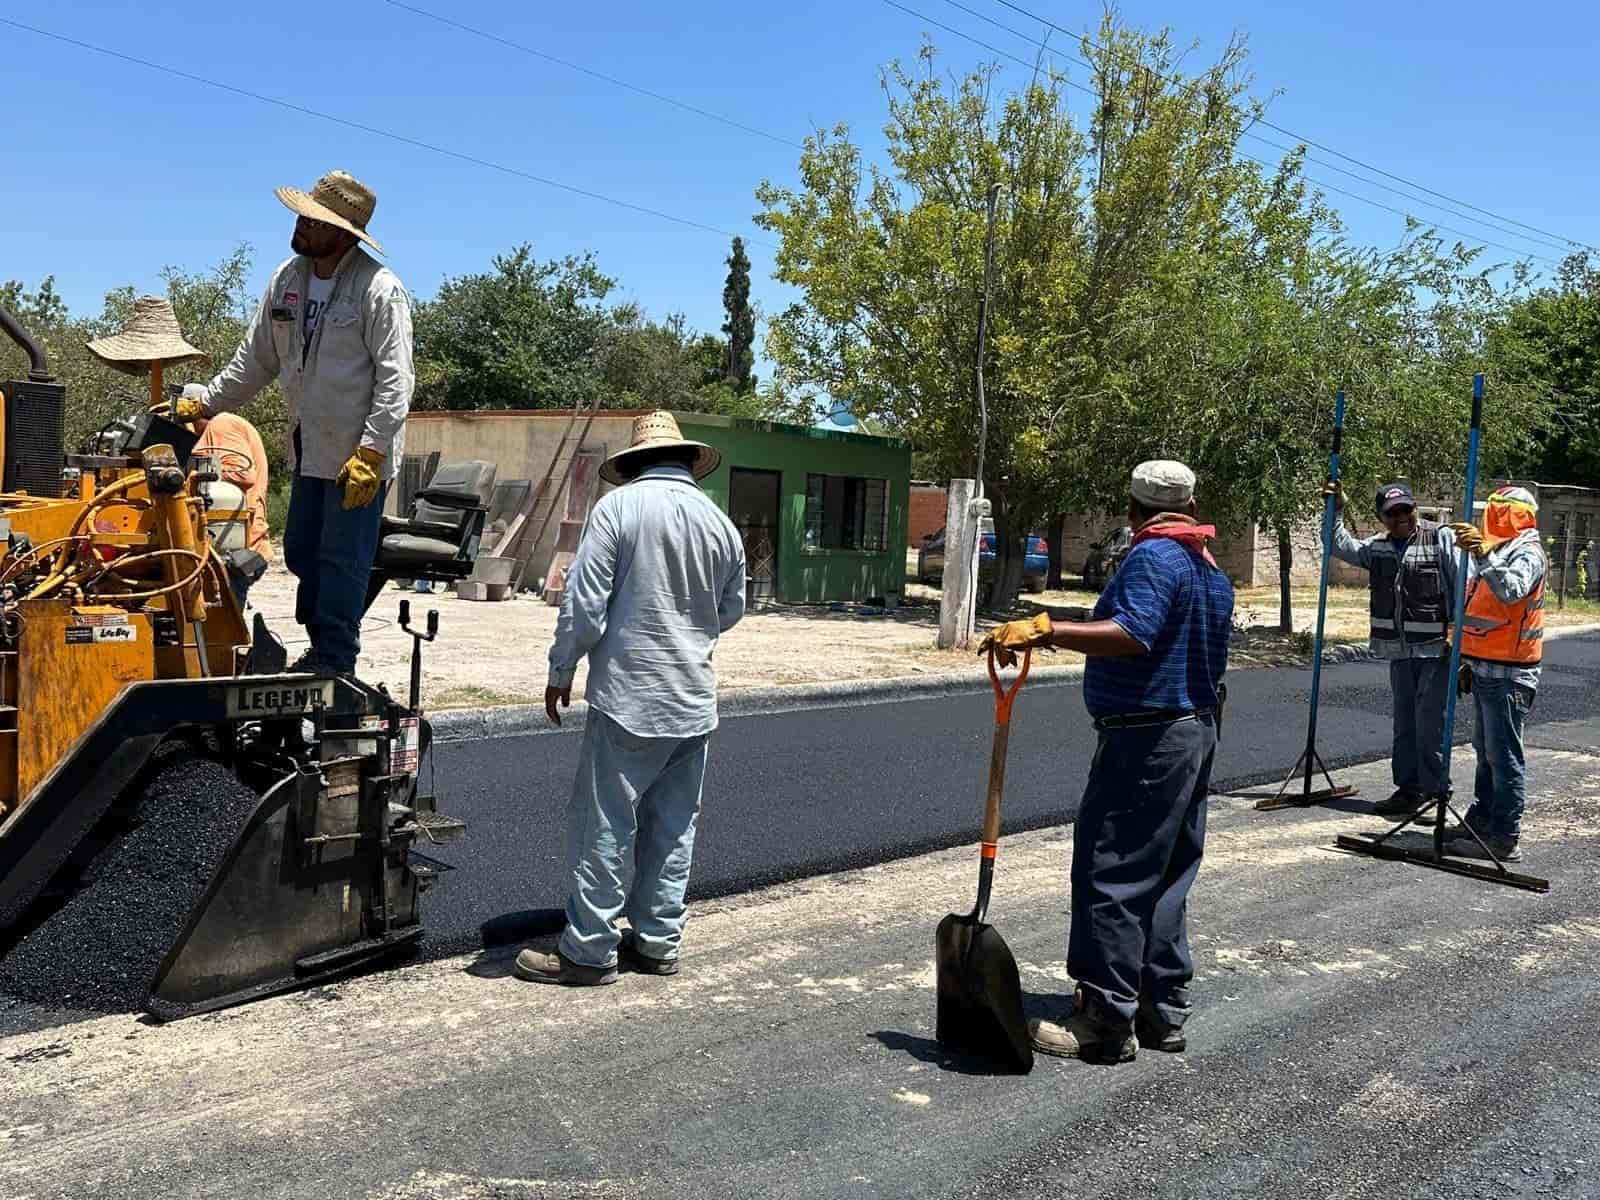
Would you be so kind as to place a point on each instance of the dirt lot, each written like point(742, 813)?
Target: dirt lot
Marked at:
point(492, 654)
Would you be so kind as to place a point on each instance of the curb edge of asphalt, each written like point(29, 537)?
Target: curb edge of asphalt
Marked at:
point(471, 724)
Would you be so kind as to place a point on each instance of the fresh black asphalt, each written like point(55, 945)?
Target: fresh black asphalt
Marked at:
point(824, 789)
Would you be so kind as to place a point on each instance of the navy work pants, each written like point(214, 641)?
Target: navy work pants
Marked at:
point(1140, 834)
point(330, 549)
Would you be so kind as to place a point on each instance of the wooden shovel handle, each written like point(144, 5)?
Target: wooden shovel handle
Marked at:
point(1003, 698)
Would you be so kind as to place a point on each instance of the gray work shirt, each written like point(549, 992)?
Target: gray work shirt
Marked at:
point(351, 386)
point(1360, 553)
point(658, 577)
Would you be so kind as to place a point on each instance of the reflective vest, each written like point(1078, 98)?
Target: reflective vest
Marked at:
point(1495, 631)
point(1409, 604)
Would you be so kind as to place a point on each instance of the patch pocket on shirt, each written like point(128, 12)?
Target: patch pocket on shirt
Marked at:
point(342, 315)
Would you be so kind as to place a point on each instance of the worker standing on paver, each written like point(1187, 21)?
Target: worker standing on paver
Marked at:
point(1409, 570)
point(658, 577)
point(242, 461)
point(1157, 647)
point(1502, 646)
point(334, 329)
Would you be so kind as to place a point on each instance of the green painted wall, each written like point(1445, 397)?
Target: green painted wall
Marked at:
point(795, 451)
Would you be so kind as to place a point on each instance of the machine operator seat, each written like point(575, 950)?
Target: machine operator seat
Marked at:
point(439, 538)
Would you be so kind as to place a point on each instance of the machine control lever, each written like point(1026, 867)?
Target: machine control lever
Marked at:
point(417, 638)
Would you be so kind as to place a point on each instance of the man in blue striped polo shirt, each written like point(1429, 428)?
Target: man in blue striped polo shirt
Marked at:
point(1157, 647)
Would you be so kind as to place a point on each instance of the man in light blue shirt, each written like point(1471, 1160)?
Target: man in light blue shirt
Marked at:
point(658, 577)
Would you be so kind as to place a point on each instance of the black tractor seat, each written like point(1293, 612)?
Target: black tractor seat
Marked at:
point(439, 538)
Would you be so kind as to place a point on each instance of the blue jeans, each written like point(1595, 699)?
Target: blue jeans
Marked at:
point(1140, 835)
point(1500, 789)
point(329, 549)
point(630, 840)
point(1420, 687)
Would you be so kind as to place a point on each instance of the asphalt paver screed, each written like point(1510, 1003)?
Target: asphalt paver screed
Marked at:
point(98, 946)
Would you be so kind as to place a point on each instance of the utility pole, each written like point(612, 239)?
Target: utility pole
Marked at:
point(965, 506)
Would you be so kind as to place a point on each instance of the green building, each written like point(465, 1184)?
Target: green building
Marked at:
point(823, 513)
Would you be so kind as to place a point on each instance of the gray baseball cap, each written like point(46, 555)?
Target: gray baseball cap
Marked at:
point(1162, 483)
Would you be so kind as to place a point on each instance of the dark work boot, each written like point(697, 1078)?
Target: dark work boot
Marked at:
point(629, 955)
point(1155, 1032)
point(1460, 829)
point(1400, 803)
point(1506, 849)
point(1089, 1031)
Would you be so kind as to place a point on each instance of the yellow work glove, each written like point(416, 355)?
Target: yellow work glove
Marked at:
point(190, 406)
point(1469, 537)
point(359, 477)
point(1335, 489)
point(1007, 639)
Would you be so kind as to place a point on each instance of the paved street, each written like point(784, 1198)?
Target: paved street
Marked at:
point(1366, 1029)
point(828, 789)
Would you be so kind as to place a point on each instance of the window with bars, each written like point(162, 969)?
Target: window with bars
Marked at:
point(846, 513)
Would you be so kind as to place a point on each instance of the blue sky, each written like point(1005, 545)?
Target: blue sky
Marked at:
point(113, 170)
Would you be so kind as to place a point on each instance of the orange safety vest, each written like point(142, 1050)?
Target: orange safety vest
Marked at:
point(1494, 631)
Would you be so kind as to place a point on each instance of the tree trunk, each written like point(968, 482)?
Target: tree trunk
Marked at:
point(1285, 564)
point(1009, 550)
point(1056, 531)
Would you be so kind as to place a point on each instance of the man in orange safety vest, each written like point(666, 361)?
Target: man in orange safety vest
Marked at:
point(1502, 645)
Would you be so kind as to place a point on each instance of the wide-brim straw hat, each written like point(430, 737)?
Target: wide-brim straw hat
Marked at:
point(151, 335)
point(659, 431)
point(338, 199)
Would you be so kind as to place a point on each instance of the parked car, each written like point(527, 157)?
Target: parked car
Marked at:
point(1105, 556)
point(1035, 562)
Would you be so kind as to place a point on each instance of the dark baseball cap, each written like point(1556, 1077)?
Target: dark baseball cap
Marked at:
point(1394, 495)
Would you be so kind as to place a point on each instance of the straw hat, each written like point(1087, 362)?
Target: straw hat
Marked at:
point(151, 335)
point(657, 431)
point(337, 199)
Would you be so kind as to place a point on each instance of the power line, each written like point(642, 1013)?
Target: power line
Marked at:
point(1017, 8)
point(593, 74)
point(1471, 237)
point(403, 139)
point(1561, 246)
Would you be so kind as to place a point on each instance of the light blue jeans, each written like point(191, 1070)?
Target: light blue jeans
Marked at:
point(1500, 787)
point(630, 840)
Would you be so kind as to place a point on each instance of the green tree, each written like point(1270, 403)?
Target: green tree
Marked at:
point(1156, 295)
point(1099, 222)
point(1549, 343)
point(524, 334)
point(213, 309)
point(740, 322)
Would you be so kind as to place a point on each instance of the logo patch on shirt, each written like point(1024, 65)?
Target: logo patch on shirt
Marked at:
point(292, 299)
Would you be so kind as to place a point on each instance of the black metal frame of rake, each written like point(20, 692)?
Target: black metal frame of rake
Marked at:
point(1436, 858)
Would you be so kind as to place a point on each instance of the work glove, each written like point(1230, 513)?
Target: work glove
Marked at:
point(359, 477)
point(1007, 639)
point(1469, 537)
point(1335, 489)
point(189, 406)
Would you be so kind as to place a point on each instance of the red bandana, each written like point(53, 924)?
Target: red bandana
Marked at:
point(1182, 529)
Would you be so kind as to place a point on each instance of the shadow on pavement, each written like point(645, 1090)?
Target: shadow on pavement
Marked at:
point(926, 1050)
point(521, 926)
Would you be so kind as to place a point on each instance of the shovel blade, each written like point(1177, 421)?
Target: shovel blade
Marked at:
point(980, 994)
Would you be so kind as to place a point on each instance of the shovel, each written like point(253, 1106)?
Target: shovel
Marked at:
point(980, 992)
